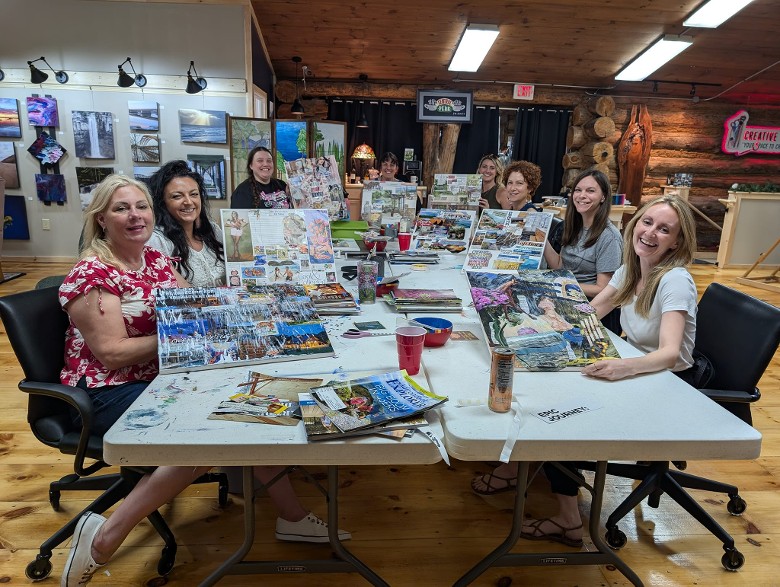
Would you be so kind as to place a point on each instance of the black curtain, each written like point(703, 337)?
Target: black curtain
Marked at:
point(392, 126)
point(479, 138)
point(540, 137)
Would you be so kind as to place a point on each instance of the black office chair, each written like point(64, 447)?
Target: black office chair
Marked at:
point(36, 325)
point(738, 335)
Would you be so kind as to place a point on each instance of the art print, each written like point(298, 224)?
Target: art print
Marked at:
point(329, 139)
point(93, 133)
point(88, 179)
point(212, 168)
point(46, 149)
point(386, 202)
point(42, 111)
point(203, 126)
point(144, 115)
point(8, 168)
point(9, 119)
point(15, 214)
point(245, 135)
point(144, 174)
point(316, 184)
point(292, 142)
point(456, 191)
point(145, 148)
point(50, 187)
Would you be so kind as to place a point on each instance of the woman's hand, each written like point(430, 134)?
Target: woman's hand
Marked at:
point(483, 203)
point(610, 369)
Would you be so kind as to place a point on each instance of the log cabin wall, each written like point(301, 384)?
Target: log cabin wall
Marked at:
point(686, 137)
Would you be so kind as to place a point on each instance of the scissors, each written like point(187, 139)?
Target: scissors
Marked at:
point(355, 333)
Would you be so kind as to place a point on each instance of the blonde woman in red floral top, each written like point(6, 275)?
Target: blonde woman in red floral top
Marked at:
point(111, 352)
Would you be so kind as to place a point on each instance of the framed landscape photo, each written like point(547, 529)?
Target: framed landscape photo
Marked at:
point(244, 134)
point(444, 106)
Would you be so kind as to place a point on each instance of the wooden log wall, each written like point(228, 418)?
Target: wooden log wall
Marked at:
point(686, 136)
point(590, 140)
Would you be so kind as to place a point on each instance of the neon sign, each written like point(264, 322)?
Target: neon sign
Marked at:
point(740, 139)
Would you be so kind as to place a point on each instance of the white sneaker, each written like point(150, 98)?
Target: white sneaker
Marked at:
point(309, 529)
point(80, 565)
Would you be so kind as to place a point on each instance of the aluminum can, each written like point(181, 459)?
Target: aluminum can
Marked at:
point(502, 373)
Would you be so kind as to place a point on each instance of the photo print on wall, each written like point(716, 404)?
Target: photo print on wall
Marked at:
point(9, 119)
point(245, 135)
point(212, 168)
point(46, 150)
point(8, 169)
point(88, 178)
point(16, 228)
point(50, 188)
point(144, 173)
point(144, 115)
point(93, 133)
point(145, 148)
point(42, 111)
point(203, 126)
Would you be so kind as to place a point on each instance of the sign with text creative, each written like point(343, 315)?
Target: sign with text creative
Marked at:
point(740, 139)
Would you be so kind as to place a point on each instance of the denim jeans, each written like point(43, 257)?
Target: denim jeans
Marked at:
point(109, 403)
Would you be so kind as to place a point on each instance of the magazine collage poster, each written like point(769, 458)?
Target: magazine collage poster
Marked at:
point(507, 241)
point(456, 191)
point(269, 246)
point(208, 327)
point(542, 315)
point(316, 183)
point(386, 202)
point(449, 230)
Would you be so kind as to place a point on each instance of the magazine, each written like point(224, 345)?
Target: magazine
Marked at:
point(542, 315)
point(269, 246)
point(386, 202)
point(316, 184)
point(331, 298)
point(507, 241)
point(450, 230)
point(367, 402)
point(456, 191)
point(425, 300)
point(208, 327)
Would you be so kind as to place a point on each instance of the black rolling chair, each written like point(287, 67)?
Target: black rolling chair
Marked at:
point(738, 334)
point(36, 325)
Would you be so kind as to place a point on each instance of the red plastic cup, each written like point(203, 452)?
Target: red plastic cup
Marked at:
point(409, 342)
point(404, 241)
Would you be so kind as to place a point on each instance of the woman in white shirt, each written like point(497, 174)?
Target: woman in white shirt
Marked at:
point(184, 230)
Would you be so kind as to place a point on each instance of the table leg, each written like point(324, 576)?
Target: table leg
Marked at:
point(501, 557)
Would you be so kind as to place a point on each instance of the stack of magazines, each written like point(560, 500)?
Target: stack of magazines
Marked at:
point(331, 298)
point(426, 300)
point(414, 257)
point(373, 404)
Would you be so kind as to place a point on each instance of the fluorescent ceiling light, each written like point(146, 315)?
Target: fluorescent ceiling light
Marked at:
point(476, 41)
point(715, 12)
point(664, 49)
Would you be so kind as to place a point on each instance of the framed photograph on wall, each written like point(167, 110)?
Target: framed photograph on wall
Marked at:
point(444, 106)
point(202, 126)
point(212, 168)
point(8, 168)
point(244, 134)
point(329, 138)
point(9, 119)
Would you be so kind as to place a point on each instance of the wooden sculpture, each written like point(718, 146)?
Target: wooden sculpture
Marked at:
point(634, 153)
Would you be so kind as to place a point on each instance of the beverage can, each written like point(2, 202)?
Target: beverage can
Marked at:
point(502, 372)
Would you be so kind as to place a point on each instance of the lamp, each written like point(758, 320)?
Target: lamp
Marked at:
point(473, 46)
point(363, 122)
point(125, 81)
point(364, 157)
point(38, 77)
point(712, 14)
point(194, 84)
point(663, 50)
point(297, 107)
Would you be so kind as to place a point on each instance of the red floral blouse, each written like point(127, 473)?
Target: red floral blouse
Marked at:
point(135, 290)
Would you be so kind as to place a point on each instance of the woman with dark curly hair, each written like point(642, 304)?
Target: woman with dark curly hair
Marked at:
point(521, 180)
point(184, 231)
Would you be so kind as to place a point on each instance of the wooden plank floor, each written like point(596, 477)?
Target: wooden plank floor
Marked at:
point(416, 526)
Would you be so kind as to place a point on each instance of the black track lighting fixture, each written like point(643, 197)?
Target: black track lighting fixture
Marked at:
point(38, 77)
point(362, 120)
point(297, 107)
point(126, 80)
point(2, 75)
point(195, 84)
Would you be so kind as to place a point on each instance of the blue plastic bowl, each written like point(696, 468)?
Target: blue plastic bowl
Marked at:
point(439, 336)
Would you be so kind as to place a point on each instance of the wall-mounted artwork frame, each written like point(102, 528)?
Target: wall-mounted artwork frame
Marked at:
point(244, 134)
point(212, 169)
point(42, 111)
point(18, 228)
point(145, 147)
point(143, 115)
point(291, 142)
point(203, 126)
point(93, 134)
point(51, 188)
point(329, 138)
point(8, 169)
point(444, 106)
point(9, 119)
point(88, 179)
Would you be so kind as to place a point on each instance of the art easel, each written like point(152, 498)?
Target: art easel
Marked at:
point(770, 282)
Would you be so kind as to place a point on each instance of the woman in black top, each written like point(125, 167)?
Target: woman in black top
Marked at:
point(262, 189)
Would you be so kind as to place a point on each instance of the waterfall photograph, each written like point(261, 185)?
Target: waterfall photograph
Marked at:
point(93, 133)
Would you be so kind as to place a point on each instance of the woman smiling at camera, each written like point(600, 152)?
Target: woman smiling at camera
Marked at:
point(521, 180)
point(261, 189)
point(491, 170)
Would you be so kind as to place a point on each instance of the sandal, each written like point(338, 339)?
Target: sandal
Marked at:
point(562, 536)
point(509, 484)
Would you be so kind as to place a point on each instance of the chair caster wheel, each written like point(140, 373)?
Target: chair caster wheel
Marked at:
point(615, 538)
point(736, 505)
point(54, 500)
point(732, 560)
point(39, 569)
point(167, 560)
